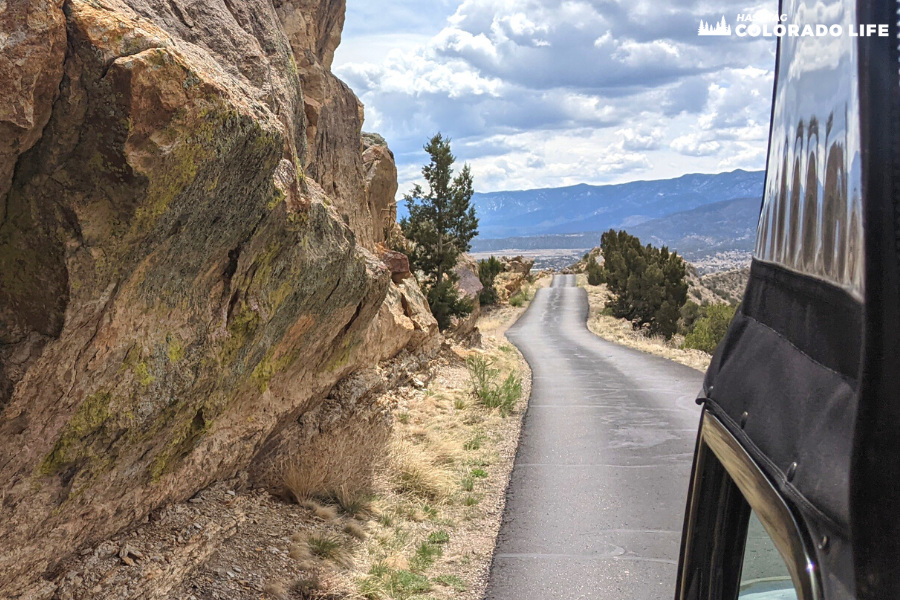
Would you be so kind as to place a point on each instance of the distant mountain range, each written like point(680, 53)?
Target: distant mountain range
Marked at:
point(698, 215)
point(582, 208)
point(727, 226)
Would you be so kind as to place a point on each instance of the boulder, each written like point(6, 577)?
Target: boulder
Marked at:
point(469, 285)
point(398, 264)
point(186, 256)
point(381, 185)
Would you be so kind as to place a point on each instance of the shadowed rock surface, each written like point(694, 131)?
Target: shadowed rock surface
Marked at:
point(187, 256)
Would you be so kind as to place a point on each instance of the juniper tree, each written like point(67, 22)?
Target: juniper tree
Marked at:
point(648, 284)
point(440, 225)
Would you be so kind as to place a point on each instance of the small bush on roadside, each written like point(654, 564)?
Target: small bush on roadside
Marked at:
point(487, 391)
point(518, 299)
point(709, 330)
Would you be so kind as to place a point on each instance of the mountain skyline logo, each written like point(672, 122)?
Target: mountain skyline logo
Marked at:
point(720, 28)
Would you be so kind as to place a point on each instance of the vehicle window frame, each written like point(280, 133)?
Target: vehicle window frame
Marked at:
point(727, 483)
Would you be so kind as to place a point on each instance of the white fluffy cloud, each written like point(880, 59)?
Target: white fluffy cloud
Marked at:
point(554, 92)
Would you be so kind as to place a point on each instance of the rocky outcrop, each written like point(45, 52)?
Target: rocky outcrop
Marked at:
point(381, 186)
point(516, 273)
point(186, 256)
point(469, 286)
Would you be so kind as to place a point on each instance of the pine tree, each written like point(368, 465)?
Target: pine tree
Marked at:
point(440, 225)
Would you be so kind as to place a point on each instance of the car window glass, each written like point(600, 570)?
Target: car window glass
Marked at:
point(764, 575)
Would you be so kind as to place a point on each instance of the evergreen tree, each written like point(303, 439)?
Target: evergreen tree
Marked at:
point(440, 225)
point(488, 269)
point(648, 284)
point(594, 272)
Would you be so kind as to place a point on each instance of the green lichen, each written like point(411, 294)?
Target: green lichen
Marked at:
point(269, 366)
point(142, 374)
point(277, 198)
point(74, 443)
point(175, 351)
point(240, 330)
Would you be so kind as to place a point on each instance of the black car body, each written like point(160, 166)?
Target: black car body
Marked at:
point(796, 484)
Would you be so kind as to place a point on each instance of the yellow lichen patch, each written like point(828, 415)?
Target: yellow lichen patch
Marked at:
point(240, 329)
point(88, 419)
point(175, 350)
point(142, 374)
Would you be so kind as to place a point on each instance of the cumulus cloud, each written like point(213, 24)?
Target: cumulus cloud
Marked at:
point(543, 92)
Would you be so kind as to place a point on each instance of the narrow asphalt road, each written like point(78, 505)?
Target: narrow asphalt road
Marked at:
point(596, 501)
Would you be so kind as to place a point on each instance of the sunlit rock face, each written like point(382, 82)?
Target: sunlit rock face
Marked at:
point(187, 255)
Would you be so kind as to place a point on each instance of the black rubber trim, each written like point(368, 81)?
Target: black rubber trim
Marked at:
point(824, 322)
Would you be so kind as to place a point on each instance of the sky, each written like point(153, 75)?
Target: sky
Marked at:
point(549, 93)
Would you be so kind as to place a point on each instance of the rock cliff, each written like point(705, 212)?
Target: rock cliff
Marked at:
point(188, 262)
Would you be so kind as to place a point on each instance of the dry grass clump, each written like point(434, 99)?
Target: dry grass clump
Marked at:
point(324, 512)
point(352, 529)
point(416, 471)
point(307, 587)
point(337, 465)
point(276, 591)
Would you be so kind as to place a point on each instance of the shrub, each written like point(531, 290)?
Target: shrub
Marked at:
point(648, 284)
point(709, 330)
point(446, 302)
point(488, 269)
point(594, 271)
point(518, 299)
point(690, 312)
point(487, 391)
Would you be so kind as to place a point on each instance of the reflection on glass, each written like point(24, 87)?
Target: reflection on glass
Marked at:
point(764, 575)
point(811, 220)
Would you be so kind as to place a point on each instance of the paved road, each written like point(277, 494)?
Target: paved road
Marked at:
point(596, 501)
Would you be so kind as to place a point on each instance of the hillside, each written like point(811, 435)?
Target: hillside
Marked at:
point(584, 208)
point(715, 237)
point(704, 231)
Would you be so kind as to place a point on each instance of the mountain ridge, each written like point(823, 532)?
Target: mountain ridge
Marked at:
point(584, 207)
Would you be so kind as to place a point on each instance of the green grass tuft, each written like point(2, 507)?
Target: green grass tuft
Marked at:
point(438, 537)
point(451, 581)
